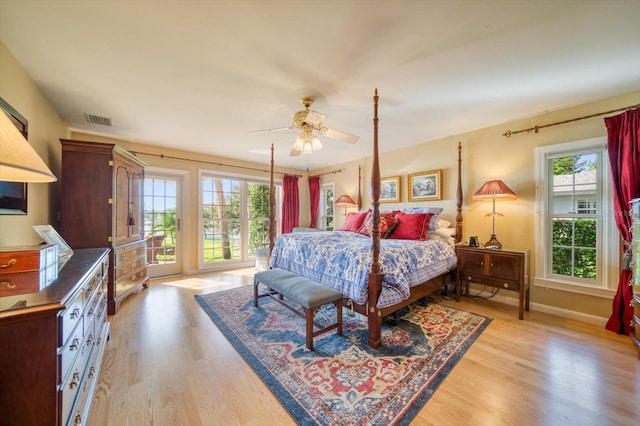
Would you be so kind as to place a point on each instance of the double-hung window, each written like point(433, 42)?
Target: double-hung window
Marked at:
point(577, 244)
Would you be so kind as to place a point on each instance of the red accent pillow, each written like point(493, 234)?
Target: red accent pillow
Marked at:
point(411, 226)
point(387, 225)
point(354, 221)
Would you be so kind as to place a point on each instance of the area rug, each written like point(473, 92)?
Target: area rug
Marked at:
point(343, 381)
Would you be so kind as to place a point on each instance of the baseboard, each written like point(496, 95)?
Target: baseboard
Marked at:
point(564, 313)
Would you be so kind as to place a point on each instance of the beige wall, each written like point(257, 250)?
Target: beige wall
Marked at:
point(486, 154)
point(45, 128)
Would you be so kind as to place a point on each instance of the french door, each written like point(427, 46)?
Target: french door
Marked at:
point(162, 222)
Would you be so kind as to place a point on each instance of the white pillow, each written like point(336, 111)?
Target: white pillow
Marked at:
point(442, 223)
point(445, 232)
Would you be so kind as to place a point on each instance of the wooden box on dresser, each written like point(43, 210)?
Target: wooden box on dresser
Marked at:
point(52, 344)
point(102, 205)
point(635, 248)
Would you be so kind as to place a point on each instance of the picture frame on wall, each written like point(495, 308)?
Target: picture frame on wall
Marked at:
point(390, 189)
point(425, 186)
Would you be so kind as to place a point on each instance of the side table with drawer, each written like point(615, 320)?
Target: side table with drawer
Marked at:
point(504, 269)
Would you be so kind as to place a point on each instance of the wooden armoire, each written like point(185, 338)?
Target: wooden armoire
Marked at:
point(102, 206)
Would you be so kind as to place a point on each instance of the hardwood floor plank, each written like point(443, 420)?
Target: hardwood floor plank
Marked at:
point(167, 364)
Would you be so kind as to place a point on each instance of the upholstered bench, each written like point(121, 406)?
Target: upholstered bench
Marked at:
point(310, 295)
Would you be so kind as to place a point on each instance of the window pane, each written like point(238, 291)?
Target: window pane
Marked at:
point(574, 219)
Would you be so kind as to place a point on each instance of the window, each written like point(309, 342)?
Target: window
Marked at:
point(326, 213)
point(577, 240)
point(234, 217)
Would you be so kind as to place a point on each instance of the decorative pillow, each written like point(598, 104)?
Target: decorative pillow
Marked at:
point(434, 219)
point(412, 226)
point(387, 225)
point(354, 221)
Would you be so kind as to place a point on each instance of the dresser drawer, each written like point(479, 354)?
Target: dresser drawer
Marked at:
point(490, 281)
point(20, 283)
point(69, 390)
point(130, 252)
point(70, 317)
point(83, 401)
point(69, 352)
point(125, 269)
point(129, 281)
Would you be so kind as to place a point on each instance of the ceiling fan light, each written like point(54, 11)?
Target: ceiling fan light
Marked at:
point(307, 148)
point(316, 145)
point(298, 145)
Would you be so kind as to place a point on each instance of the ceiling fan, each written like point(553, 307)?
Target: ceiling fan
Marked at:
point(308, 120)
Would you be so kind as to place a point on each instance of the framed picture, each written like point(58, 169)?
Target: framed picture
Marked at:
point(52, 237)
point(425, 186)
point(390, 189)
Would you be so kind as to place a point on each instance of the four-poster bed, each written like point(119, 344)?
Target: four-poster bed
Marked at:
point(375, 282)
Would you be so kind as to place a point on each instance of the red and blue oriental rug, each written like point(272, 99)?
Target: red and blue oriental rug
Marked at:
point(343, 381)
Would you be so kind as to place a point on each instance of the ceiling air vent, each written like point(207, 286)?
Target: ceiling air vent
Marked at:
point(96, 119)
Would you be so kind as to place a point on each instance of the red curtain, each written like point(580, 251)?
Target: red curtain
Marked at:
point(290, 203)
point(624, 155)
point(314, 199)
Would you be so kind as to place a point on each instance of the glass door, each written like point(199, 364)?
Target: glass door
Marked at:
point(162, 223)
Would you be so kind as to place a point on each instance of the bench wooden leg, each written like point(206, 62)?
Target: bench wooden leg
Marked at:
point(310, 314)
point(339, 308)
point(255, 293)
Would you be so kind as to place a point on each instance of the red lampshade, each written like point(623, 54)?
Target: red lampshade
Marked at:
point(345, 200)
point(494, 189)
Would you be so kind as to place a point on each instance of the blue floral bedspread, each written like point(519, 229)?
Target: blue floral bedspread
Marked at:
point(341, 261)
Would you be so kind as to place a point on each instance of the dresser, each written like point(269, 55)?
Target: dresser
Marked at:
point(52, 345)
point(504, 269)
point(635, 247)
point(102, 206)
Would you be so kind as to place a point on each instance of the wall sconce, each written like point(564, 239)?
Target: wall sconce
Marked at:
point(19, 162)
point(346, 201)
point(492, 190)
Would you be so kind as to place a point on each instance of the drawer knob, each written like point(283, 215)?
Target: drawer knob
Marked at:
point(9, 284)
point(505, 285)
point(74, 345)
point(9, 263)
point(75, 380)
point(75, 313)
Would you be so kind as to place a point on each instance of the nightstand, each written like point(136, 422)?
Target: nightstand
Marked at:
point(496, 268)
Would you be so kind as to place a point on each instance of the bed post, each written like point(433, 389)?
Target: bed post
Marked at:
point(375, 276)
point(459, 197)
point(359, 186)
point(272, 210)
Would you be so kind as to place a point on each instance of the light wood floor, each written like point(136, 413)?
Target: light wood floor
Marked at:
point(167, 364)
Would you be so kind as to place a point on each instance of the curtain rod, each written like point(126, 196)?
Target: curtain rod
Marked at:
point(328, 173)
point(535, 129)
point(210, 162)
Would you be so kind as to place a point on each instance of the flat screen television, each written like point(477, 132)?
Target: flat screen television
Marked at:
point(13, 195)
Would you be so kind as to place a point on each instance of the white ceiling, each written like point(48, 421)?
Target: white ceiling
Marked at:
point(198, 75)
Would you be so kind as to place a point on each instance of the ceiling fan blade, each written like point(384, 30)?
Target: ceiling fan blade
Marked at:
point(294, 153)
point(337, 134)
point(279, 129)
